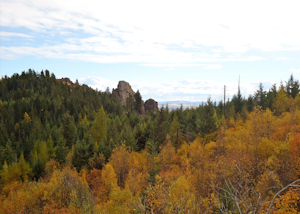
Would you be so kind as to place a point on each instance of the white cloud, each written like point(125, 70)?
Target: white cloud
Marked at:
point(212, 67)
point(117, 53)
point(172, 65)
point(295, 70)
point(188, 90)
point(98, 82)
point(253, 58)
point(12, 34)
point(137, 31)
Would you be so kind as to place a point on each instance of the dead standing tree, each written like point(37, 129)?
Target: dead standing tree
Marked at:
point(293, 184)
point(238, 196)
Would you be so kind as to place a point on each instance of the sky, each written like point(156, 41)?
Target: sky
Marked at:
point(169, 50)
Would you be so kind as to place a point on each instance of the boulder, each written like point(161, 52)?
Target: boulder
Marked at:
point(124, 91)
point(151, 105)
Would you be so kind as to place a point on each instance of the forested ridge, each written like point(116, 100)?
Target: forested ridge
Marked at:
point(66, 148)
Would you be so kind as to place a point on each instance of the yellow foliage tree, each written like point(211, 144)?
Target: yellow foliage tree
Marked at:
point(121, 162)
point(282, 101)
point(108, 177)
point(26, 119)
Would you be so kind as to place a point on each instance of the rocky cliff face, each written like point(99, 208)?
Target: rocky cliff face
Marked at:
point(150, 105)
point(124, 91)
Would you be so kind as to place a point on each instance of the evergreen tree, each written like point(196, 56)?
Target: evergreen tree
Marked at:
point(83, 127)
point(81, 154)
point(130, 103)
point(270, 99)
point(36, 128)
point(138, 101)
point(50, 148)
point(260, 96)
point(142, 133)
point(154, 169)
point(207, 122)
point(274, 89)
point(292, 87)
point(7, 154)
point(160, 127)
point(47, 73)
point(38, 169)
point(99, 127)
point(250, 103)
point(175, 131)
point(69, 129)
point(3, 133)
point(61, 151)
point(129, 138)
point(238, 101)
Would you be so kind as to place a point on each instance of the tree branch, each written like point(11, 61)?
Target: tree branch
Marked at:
point(278, 193)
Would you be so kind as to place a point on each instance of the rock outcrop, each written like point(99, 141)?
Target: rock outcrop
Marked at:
point(65, 81)
point(150, 105)
point(71, 84)
point(84, 86)
point(124, 91)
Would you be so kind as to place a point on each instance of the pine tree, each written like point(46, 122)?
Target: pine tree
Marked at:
point(38, 169)
point(153, 170)
point(3, 132)
point(7, 154)
point(175, 131)
point(260, 96)
point(50, 147)
point(81, 154)
point(207, 122)
point(160, 127)
point(36, 128)
point(47, 73)
point(99, 127)
point(142, 133)
point(250, 103)
point(292, 87)
point(238, 101)
point(40, 156)
point(61, 151)
point(138, 101)
point(130, 103)
point(129, 138)
point(69, 129)
point(274, 89)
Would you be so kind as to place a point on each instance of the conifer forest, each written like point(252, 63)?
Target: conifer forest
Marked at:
point(67, 148)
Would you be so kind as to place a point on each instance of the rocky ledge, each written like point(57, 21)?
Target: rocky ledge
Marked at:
point(125, 92)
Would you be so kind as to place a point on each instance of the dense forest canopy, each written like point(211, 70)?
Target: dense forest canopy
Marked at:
point(66, 148)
